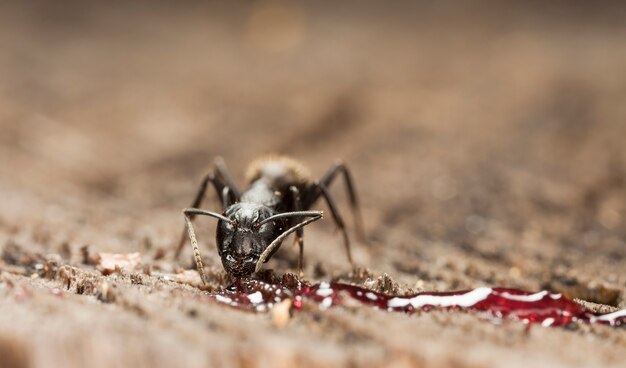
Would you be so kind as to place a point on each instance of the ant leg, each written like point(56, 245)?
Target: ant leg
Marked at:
point(222, 171)
point(295, 193)
point(326, 181)
point(219, 188)
point(227, 197)
point(319, 188)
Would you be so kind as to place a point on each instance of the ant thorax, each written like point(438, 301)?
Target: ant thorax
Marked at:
point(262, 192)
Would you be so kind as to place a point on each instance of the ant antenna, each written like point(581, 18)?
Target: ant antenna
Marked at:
point(194, 243)
point(197, 211)
point(293, 214)
point(316, 215)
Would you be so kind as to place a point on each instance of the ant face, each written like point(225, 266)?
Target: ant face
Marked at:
point(242, 240)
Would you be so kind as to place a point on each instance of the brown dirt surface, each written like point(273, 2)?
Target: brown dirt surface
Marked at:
point(487, 144)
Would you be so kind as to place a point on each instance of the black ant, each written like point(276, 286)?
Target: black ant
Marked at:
point(276, 204)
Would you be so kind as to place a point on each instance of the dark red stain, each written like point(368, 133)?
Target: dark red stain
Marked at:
point(546, 308)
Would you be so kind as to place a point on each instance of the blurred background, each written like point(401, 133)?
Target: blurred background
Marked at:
point(487, 140)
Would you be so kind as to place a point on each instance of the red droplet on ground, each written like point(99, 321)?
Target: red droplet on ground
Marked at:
point(544, 307)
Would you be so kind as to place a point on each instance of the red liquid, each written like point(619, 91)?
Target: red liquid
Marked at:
point(547, 308)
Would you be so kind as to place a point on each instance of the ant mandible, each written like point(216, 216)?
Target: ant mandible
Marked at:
point(276, 203)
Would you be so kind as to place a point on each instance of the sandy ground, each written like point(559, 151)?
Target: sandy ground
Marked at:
point(487, 143)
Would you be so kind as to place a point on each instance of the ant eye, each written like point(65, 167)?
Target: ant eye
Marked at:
point(230, 258)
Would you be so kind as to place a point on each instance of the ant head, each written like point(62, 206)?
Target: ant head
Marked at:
point(242, 239)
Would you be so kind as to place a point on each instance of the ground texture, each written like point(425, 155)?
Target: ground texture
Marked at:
point(487, 145)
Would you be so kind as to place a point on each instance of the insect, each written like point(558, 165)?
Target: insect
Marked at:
point(275, 204)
